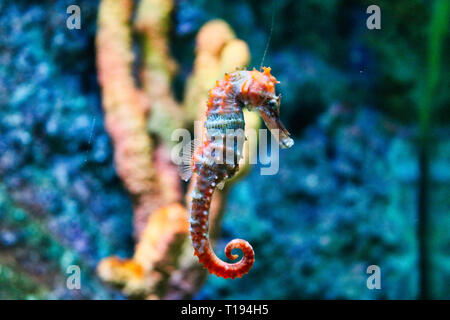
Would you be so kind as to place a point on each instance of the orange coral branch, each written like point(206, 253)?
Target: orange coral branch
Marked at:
point(124, 105)
point(156, 255)
point(158, 68)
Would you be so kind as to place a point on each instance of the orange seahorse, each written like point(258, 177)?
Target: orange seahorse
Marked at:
point(218, 157)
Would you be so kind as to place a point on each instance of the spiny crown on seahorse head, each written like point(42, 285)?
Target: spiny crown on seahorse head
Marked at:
point(254, 90)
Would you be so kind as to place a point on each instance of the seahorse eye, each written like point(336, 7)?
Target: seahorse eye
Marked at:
point(272, 104)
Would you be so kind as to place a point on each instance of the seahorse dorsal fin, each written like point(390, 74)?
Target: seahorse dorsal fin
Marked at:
point(185, 171)
point(185, 167)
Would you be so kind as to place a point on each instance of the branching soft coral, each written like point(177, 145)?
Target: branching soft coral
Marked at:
point(163, 266)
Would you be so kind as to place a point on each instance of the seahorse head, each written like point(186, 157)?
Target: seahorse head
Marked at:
point(260, 94)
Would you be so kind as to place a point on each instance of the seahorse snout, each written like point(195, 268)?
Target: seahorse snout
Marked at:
point(276, 127)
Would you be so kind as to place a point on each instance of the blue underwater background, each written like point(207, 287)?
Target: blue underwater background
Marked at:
point(355, 190)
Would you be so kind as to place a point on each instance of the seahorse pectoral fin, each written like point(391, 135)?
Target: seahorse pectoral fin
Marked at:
point(221, 185)
point(277, 128)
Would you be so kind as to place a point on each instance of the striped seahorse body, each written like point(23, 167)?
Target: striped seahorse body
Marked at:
point(217, 159)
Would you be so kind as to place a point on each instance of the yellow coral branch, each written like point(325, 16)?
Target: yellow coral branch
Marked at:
point(152, 22)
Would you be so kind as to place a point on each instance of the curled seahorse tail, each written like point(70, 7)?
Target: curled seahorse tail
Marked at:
point(201, 200)
point(228, 270)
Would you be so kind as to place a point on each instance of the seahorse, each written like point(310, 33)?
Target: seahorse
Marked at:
point(254, 90)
